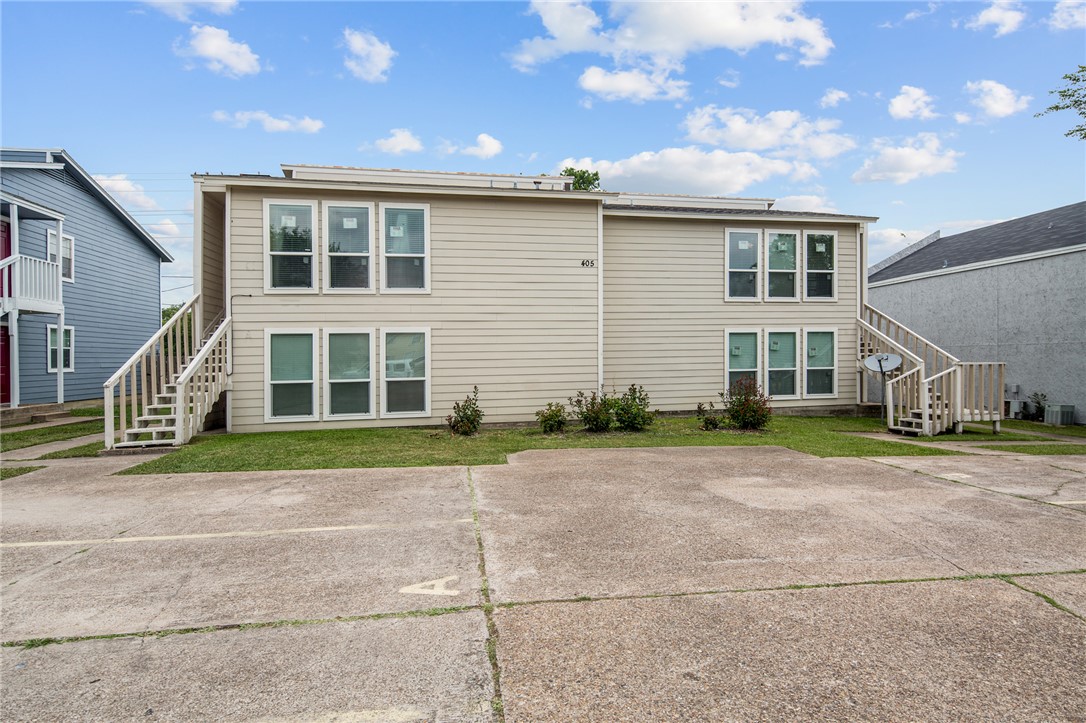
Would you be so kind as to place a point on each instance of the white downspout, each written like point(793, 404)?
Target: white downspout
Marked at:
point(599, 295)
point(13, 317)
point(228, 304)
point(60, 316)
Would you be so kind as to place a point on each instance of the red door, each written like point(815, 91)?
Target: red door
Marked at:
point(5, 366)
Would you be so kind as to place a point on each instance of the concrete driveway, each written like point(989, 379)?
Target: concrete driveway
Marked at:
point(695, 583)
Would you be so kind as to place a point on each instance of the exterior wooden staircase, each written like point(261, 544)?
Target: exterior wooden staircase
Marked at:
point(168, 387)
point(932, 391)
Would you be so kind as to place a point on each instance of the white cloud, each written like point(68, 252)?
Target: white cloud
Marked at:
point(915, 14)
point(786, 132)
point(486, 146)
point(165, 230)
point(369, 58)
point(729, 79)
point(401, 141)
point(690, 170)
point(128, 192)
point(920, 156)
point(183, 11)
point(220, 53)
point(963, 118)
point(1068, 15)
point(812, 203)
point(633, 85)
point(995, 99)
point(832, 97)
point(271, 124)
point(883, 242)
point(912, 102)
point(1006, 15)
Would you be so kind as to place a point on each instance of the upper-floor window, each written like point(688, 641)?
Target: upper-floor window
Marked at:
point(406, 235)
point(741, 254)
point(66, 254)
point(289, 239)
point(782, 254)
point(348, 239)
point(821, 264)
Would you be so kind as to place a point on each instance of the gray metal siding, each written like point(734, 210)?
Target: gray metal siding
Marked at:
point(113, 302)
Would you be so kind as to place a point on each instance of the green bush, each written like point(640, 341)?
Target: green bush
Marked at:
point(745, 405)
point(466, 417)
point(631, 410)
point(709, 419)
point(552, 418)
point(596, 411)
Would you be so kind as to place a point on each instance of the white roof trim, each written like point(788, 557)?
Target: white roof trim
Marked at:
point(37, 208)
point(684, 201)
point(979, 265)
point(610, 210)
point(304, 172)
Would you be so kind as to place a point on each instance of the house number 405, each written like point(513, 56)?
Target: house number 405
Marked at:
point(588, 263)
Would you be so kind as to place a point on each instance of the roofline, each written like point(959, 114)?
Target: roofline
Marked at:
point(609, 210)
point(1003, 261)
point(36, 207)
point(907, 251)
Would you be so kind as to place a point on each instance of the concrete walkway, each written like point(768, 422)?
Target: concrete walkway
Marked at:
point(647, 584)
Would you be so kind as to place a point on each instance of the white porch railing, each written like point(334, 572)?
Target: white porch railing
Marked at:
point(199, 386)
point(29, 283)
point(145, 376)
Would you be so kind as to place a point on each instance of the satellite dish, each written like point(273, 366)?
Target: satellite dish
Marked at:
point(882, 363)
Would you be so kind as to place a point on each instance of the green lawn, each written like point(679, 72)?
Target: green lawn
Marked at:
point(975, 435)
point(415, 447)
point(90, 449)
point(1054, 448)
point(1077, 430)
point(31, 437)
point(9, 472)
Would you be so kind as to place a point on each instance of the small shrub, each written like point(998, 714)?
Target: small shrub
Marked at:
point(596, 411)
point(466, 417)
point(709, 419)
point(1038, 401)
point(631, 410)
point(552, 418)
point(745, 405)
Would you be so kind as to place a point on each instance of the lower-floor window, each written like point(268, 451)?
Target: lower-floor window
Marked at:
point(348, 382)
point(405, 361)
point(821, 362)
point(292, 361)
point(781, 358)
point(742, 354)
point(67, 348)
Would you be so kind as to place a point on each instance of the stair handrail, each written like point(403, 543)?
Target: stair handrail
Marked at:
point(165, 329)
point(917, 361)
point(200, 407)
point(875, 313)
point(900, 380)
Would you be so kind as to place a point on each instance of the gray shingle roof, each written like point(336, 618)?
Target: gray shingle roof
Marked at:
point(1045, 231)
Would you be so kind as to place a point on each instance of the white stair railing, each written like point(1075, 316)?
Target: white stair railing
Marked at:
point(199, 386)
point(27, 281)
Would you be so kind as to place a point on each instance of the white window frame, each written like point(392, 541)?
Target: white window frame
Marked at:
point(51, 248)
point(757, 272)
point(50, 366)
point(327, 254)
point(800, 378)
point(428, 259)
point(805, 353)
point(384, 377)
point(836, 265)
point(268, 334)
point(327, 377)
point(759, 363)
point(798, 271)
point(314, 254)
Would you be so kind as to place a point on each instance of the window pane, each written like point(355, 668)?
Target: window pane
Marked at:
point(67, 338)
point(67, 358)
point(52, 246)
point(291, 357)
point(820, 381)
point(292, 400)
point(733, 377)
point(782, 350)
point(291, 272)
point(742, 250)
point(349, 272)
point(782, 383)
point(782, 251)
point(52, 337)
point(350, 398)
point(820, 349)
point(348, 356)
point(66, 258)
point(290, 228)
point(406, 396)
point(405, 356)
point(742, 284)
point(743, 349)
point(52, 357)
point(782, 285)
point(405, 231)
point(820, 285)
point(348, 230)
point(820, 252)
point(406, 273)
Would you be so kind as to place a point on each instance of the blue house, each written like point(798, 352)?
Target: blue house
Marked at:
point(79, 280)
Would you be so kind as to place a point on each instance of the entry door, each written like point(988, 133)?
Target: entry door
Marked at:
point(5, 366)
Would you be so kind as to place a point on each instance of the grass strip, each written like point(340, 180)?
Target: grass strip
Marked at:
point(1048, 599)
point(1074, 430)
point(9, 472)
point(43, 435)
point(497, 705)
point(90, 449)
point(1039, 449)
point(972, 435)
point(425, 447)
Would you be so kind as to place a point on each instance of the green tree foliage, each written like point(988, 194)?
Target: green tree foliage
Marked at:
point(583, 180)
point(169, 311)
point(1072, 97)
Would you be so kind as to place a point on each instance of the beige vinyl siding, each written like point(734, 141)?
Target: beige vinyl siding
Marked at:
point(665, 315)
point(511, 309)
point(212, 249)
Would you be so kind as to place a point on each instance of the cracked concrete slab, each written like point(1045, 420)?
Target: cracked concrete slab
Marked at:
point(568, 523)
point(1067, 590)
point(418, 669)
point(1039, 478)
point(916, 651)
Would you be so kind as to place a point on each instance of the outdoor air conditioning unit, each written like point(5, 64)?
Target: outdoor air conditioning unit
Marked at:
point(1062, 414)
point(1014, 408)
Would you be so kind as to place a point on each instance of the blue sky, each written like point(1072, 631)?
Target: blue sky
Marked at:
point(919, 113)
